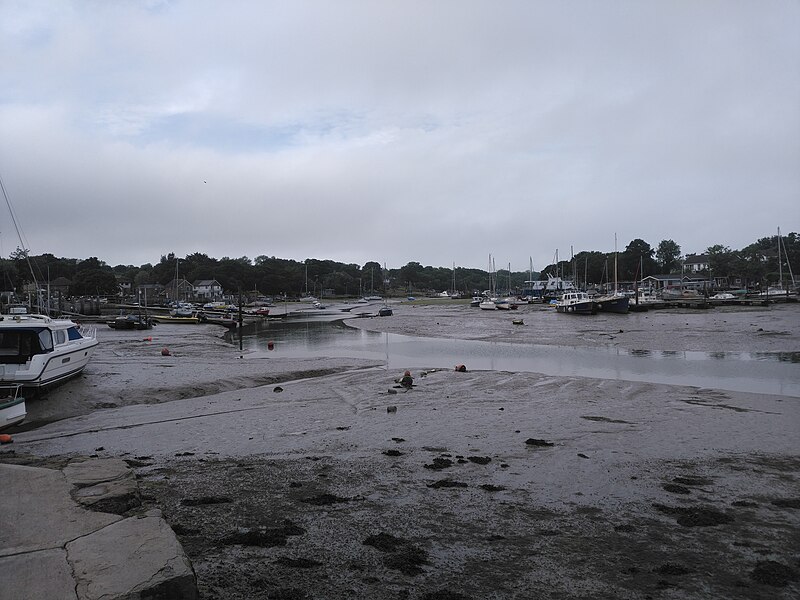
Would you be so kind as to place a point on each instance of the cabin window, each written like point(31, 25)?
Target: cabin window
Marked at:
point(46, 340)
point(73, 333)
point(17, 347)
point(59, 336)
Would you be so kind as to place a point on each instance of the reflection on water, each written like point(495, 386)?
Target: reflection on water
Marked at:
point(761, 372)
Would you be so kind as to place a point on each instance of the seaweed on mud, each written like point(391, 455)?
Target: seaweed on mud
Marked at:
point(492, 488)
point(297, 563)
point(606, 420)
point(401, 554)
point(694, 481)
point(409, 560)
point(439, 464)
point(537, 443)
point(672, 569)
point(695, 516)
point(444, 595)
point(385, 542)
point(393, 453)
point(264, 537)
point(676, 489)
point(447, 483)
point(205, 500)
point(787, 502)
point(772, 573)
point(479, 460)
point(324, 500)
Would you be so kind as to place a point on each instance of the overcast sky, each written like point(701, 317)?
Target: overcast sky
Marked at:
point(397, 131)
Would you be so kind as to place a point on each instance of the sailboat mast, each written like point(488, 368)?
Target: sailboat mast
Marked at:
point(780, 263)
point(615, 264)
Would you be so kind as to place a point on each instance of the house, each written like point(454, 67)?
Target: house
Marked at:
point(60, 286)
point(695, 263)
point(207, 289)
point(659, 282)
point(147, 293)
point(179, 289)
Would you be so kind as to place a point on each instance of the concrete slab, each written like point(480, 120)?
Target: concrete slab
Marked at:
point(37, 512)
point(52, 547)
point(131, 556)
point(44, 574)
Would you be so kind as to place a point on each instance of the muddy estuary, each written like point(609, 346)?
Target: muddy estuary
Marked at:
point(643, 456)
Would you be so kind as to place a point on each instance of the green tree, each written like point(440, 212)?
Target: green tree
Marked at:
point(668, 256)
point(722, 261)
point(635, 260)
point(93, 277)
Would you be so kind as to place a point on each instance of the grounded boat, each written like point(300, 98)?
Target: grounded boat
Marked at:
point(228, 320)
point(613, 303)
point(38, 351)
point(487, 304)
point(12, 406)
point(131, 322)
point(578, 303)
point(171, 319)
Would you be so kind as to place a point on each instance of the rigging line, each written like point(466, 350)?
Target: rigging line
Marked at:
point(19, 233)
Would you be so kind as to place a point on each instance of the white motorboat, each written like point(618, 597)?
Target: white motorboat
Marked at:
point(38, 351)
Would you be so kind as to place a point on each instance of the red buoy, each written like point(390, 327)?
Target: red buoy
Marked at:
point(165, 352)
point(270, 345)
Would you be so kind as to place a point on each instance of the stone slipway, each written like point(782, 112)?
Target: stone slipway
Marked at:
point(55, 544)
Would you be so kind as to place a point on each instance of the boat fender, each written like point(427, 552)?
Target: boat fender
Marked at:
point(5, 438)
point(165, 352)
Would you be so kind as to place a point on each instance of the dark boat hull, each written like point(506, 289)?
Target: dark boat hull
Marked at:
point(616, 304)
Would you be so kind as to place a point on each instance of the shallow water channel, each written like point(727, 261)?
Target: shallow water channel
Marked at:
point(766, 373)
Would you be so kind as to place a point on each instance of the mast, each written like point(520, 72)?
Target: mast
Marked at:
point(780, 264)
point(615, 264)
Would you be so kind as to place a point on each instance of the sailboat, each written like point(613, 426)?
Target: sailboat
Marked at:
point(488, 302)
point(385, 310)
point(616, 302)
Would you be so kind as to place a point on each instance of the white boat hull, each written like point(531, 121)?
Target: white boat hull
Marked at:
point(47, 369)
point(12, 412)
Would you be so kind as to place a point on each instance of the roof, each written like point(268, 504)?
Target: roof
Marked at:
point(206, 283)
point(696, 259)
point(669, 277)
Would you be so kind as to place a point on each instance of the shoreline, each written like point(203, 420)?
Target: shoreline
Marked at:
point(647, 489)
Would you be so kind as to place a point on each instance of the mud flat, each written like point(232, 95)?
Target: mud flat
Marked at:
point(472, 485)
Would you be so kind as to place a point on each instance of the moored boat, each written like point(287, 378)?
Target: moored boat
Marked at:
point(577, 303)
point(38, 351)
point(131, 322)
point(613, 303)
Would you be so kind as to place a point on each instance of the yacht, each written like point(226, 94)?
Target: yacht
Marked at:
point(38, 351)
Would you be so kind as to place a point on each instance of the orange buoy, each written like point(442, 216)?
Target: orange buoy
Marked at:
point(5, 438)
point(165, 352)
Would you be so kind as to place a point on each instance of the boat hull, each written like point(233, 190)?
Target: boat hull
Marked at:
point(578, 308)
point(48, 369)
point(613, 304)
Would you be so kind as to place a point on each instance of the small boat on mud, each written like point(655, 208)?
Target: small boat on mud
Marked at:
point(131, 322)
point(176, 320)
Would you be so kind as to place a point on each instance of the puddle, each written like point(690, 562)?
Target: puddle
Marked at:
point(761, 372)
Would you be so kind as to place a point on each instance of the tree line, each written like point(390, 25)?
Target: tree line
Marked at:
point(754, 265)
